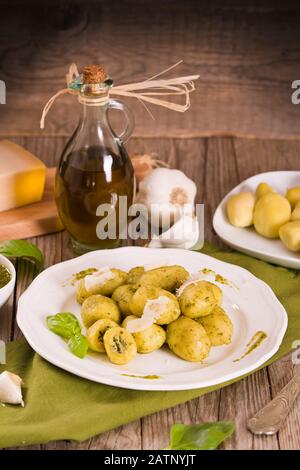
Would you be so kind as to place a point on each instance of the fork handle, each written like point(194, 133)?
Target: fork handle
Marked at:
point(270, 418)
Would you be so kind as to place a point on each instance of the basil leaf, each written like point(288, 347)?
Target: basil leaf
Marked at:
point(64, 324)
point(206, 436)
point(78, 345)
point(23, 249)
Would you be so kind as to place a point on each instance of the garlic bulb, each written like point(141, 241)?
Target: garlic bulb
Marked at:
point(165, 193)
point(10, 388)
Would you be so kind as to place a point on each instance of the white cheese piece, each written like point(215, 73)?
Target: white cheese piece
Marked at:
point(98, 278)
point(10, 389)
point(153, 309)
point(193, 279)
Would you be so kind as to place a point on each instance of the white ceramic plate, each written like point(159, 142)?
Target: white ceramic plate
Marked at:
point(252, 306)
point(246, 239)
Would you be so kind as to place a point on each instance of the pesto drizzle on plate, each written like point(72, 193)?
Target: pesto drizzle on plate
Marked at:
point(148, 377)
point(253, 344)
point(81, 274)
point(218, 277)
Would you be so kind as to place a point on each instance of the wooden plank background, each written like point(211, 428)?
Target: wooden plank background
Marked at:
point(247, 54)
point(216, 164)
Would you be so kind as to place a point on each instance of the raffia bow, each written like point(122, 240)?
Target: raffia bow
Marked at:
point(148, 91)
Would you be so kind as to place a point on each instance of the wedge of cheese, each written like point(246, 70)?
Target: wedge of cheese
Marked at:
point(22, 176)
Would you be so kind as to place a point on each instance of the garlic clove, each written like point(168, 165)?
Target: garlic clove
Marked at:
point(183, 234)
point(10, 389)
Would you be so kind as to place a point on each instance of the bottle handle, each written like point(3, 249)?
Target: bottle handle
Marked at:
point(115, 104)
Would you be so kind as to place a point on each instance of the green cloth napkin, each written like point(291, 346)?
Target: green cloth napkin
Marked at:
point(59, 405)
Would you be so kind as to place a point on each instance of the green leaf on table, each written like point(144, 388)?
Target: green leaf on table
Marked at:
point(64, 324)
point(23, 249)
point(206, 436)
point(78, 345)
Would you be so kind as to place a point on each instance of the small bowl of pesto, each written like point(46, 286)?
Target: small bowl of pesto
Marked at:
point(7, 279)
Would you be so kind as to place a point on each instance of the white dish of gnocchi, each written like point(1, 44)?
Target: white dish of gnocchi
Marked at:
point(247, 240)
point(152, 319)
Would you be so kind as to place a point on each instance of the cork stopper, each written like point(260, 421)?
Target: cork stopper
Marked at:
point(93, 74)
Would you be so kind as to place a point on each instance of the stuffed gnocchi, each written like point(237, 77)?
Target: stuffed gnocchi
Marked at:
point(188, 339)
point(218, 326)
point(102, 282)
point(160, 303)
point(168, 278)
point(147, 340)
point(97, 307)
point(199, 299)
point(132, 313)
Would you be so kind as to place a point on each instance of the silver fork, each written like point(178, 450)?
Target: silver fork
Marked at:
point(271, 417)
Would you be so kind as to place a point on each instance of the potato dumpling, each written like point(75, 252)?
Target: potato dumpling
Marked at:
point(162, 304)
point(271, 212)
point(165, 277)
point(218, 326)
point(262, 189)
point(135, 274)
point(293, 195)
point(217, 293)
point(240, 209)
point(290, 235)
point(296, 212)
point(119, 345)
point(188, 339)
point(97, 307)
point(95, 333)
point(199, 299)
point(122, 296)
point(148, 340)
point(106, 288)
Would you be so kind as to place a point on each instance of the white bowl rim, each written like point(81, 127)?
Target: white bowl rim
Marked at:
point(9, 287)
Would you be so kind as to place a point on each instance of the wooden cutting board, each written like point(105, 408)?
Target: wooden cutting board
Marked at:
point(32, 220)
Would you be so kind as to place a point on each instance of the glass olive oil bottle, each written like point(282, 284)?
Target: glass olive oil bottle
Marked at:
point(94, 168)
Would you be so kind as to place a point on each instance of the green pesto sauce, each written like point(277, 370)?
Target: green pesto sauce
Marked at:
point(148, 377)
point(253, 344)
point(81, 274)
point(4, 276)
point(207, 271)
point(218, 277)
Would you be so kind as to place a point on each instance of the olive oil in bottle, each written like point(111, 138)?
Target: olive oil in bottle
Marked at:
point(95, 169)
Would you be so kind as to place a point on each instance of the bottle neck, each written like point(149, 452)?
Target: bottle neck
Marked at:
point(93, 114)
point(93, 107)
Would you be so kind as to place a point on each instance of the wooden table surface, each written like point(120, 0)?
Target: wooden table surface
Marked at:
point(216, 164)
point(247, 54)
